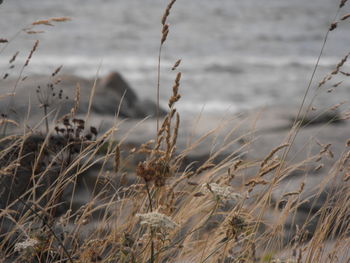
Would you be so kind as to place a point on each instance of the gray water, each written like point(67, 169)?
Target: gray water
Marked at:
point(235, 53)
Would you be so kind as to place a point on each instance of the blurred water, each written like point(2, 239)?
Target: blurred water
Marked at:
point(236, 54)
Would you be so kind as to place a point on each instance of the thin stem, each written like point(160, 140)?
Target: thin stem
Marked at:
point(152, 247)
point(225, 245)
point(11, 102)
point(215, 250)
point(50, 229)
point(46, 120)
point(158, 85)
point(152, 231)
point(149, 196)
point(191, 232)
point(297, 125)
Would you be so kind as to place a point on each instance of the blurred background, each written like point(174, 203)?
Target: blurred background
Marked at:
point(235, 54)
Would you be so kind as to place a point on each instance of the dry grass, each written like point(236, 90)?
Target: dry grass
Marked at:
point(223, 211)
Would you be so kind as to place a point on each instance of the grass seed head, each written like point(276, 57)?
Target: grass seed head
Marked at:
point(167, 11)
point(35, 46)
point(333, 26)
point(177, 63)
point(342, 3)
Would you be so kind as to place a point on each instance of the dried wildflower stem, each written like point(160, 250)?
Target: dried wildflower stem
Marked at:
point(152, 231)
point(149, 196)
point(5, 45)
point(269, 169)
point(175, 134)
point(92, 92)
point(117, 159)
point(163, 249)
point(215, 251)
point(49, 227)
point(34, 48)
point(75, 107)
point(165, 32)
point(152, 246)
point(314, 70)
point(158, 85)
point(46, 118)
point(297, 124)
point(167, 139)
point(269, 156)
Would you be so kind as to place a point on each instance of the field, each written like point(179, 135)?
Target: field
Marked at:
point(269, 186)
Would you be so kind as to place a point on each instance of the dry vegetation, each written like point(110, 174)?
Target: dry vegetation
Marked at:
point(211, 213)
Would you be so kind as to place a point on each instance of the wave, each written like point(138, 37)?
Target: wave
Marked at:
point(87, 66)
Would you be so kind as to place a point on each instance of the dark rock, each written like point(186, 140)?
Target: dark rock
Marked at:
point(148, 108)
point(17, 180)
point(112, 95)
point(116, 83)
point(317, 118)
point(116, 96)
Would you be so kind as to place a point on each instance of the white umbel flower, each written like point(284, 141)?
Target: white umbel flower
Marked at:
point(222, 192)
point(157, 220)
point(29, 243)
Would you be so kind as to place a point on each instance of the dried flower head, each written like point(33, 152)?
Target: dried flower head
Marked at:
point(221, 192)
point(28, 244)
point(157, 172)
point(157, 220)
point(235, 226)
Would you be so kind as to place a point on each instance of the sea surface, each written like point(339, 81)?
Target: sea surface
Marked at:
point(236, 54)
